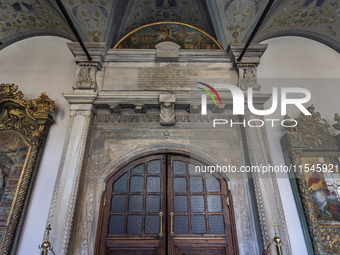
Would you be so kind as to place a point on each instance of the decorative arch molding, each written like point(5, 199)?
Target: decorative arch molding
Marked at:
point(185, 35)
point(305, 34)
point(28, 34)
point(184, 150)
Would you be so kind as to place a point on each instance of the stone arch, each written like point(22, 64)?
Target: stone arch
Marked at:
point(115, 166)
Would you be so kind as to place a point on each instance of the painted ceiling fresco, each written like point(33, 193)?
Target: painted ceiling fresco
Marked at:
point(150, 11)
point(18, 17)
point(238, 16)
point(230, 20)
point(321, 17)
point(91, 15)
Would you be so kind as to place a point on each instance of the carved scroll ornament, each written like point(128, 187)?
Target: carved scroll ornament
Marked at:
point(27, 117)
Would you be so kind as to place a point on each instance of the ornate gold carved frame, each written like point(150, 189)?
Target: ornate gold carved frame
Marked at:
point(313, 154)
point(23, 130)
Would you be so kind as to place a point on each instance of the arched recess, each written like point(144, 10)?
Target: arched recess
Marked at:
point(160, 204)
point(185, 35)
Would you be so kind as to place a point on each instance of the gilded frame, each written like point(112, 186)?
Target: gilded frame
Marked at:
point(28, 122)
point(308, 144)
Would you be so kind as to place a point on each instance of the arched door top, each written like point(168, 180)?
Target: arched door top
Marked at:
point(160, 204)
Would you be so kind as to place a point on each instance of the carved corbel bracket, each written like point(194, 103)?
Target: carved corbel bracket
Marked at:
point(218, 109)
point(194, 109)
point(140, 108)
point(115, 108)
point(167, 113)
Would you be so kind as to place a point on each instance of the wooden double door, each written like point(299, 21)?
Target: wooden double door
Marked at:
point(160, 204)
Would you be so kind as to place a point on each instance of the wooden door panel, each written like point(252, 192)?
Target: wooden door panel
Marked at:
point(167, 209)
point(199, 205)
point(134, 247)
point(200, 251)
point(139, 251)
point(201, 246)
point(134, 198)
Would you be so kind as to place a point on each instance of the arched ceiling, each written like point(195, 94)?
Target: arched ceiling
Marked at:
point(25, 18)
point(229, 21)
point(315, 19)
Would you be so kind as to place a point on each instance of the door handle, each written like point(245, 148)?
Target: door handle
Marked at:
point(171, 224)
point(161, 224)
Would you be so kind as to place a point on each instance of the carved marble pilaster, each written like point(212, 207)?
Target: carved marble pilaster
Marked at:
point(246, 233)
point(62, 208)
point(268, 198)
point(167, 113)
point(66, 190)
point(247, 66)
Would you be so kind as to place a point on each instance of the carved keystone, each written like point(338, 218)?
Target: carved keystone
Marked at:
point(167, 113)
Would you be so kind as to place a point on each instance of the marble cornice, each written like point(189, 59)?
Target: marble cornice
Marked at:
point(97, 51)
point(145, 97)
point(251, 57)
point(100, 54)
point(138, 55)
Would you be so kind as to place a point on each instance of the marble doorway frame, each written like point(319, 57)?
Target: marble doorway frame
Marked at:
point(74, 211)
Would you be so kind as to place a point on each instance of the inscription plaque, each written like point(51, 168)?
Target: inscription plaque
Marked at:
point(164, 78)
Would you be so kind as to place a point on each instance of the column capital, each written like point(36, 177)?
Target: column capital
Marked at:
point(247, 67)
point(97, 51)
point(252, 55)
point(87, 69)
